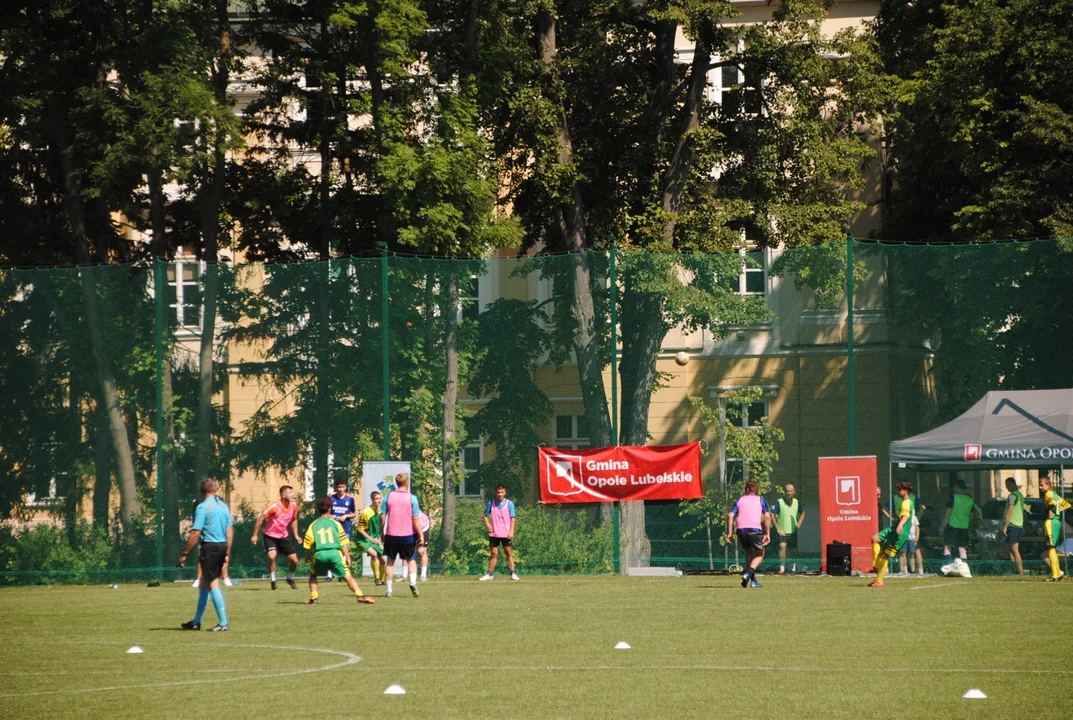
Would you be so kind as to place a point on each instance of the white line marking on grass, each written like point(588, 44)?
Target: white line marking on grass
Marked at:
point(116, 672)
point(940, 585)
point(730, 668)
point(350, 659)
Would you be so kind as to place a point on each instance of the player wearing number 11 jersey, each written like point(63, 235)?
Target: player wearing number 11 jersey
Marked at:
point(328, 548)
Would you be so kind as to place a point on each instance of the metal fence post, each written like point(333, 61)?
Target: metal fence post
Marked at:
point(850, 369)
point(384, 323)
point(158, 342)
point(613, 281)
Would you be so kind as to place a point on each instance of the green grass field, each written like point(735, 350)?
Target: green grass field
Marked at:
point(543, 648)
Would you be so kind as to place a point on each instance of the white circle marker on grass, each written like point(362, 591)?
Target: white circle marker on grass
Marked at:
point(974, 694)
point(135, 650)
point(623, 645)
point(395, 690)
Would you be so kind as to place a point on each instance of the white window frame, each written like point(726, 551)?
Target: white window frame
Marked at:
point(743, 279)
point(32, 500)
point(574, 441)
point(178, 283)
point(470, 304)
point(716, 91)
point(460, 490)
point(724, 460)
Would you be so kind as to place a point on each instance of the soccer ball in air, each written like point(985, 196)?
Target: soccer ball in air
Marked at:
point(681, 358)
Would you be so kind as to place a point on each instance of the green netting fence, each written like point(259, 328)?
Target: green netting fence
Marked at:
point(122, 385)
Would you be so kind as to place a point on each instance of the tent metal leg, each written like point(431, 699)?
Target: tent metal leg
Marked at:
point(890, 491)
point(1061, 522)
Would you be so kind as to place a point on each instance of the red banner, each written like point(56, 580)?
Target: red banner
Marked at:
point(849, 506)
point(668, 472)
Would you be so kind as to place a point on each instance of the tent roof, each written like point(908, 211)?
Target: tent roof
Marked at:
point(1005, 429)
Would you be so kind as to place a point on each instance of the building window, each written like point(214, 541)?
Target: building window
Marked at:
point(472, 456)
point(49, 485)
point(741, 92)
point(752, 280)
point(470, 298)
point(184, 293)
point(744, 415)
point(44, 494)
point(571, 432)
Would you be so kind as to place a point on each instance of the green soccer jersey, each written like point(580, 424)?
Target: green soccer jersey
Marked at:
point(906, 508)
point(371, 522)
point(961, 511)
point(1017, 517)
point(325, 534)
point(786, 517)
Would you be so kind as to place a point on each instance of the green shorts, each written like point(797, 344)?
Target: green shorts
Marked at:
point(1052, 530)
point(892, 542)
point(326, 560)
point(364, 546)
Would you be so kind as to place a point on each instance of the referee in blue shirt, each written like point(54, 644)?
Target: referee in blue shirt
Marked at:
point(213, 527)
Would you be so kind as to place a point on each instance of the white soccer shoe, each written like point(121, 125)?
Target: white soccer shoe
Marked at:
point(514, 576)
point(487, 577)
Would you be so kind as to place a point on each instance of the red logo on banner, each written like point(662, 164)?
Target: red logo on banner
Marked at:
point(848, 506)
point(669, 472)
point(973, 453)
point(564, 475)
point(847, 490)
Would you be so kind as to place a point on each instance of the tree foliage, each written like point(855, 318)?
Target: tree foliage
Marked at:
point(982, 152)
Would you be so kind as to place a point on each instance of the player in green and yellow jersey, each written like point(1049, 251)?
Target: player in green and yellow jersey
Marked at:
point(888, 543)
point(1052, 524)
point(370, 530)
point(328, 548)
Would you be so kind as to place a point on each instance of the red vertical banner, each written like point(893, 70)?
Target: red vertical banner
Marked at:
point(849, 506)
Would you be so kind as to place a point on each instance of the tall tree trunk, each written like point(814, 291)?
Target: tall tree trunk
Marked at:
point(643, 326)
point(168, 472)
point(321, 431)
point(128, 492)
point(323, 410)
point(210, 229)
point(643, 330)
point(450, 403)
point(674, 182)
point(570, 221)
point(74, 490)
point(167, 475)
point(663, 81)
point(102, 464)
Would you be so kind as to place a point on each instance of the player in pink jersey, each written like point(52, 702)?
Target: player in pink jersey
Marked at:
point(282, 518)
point(499, 519)
point(749, 515)
point(402, 527)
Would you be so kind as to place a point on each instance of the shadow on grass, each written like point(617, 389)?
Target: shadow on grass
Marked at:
point(720, 587)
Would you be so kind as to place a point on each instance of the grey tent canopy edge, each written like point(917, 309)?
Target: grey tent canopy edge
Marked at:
point(1004, 429)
